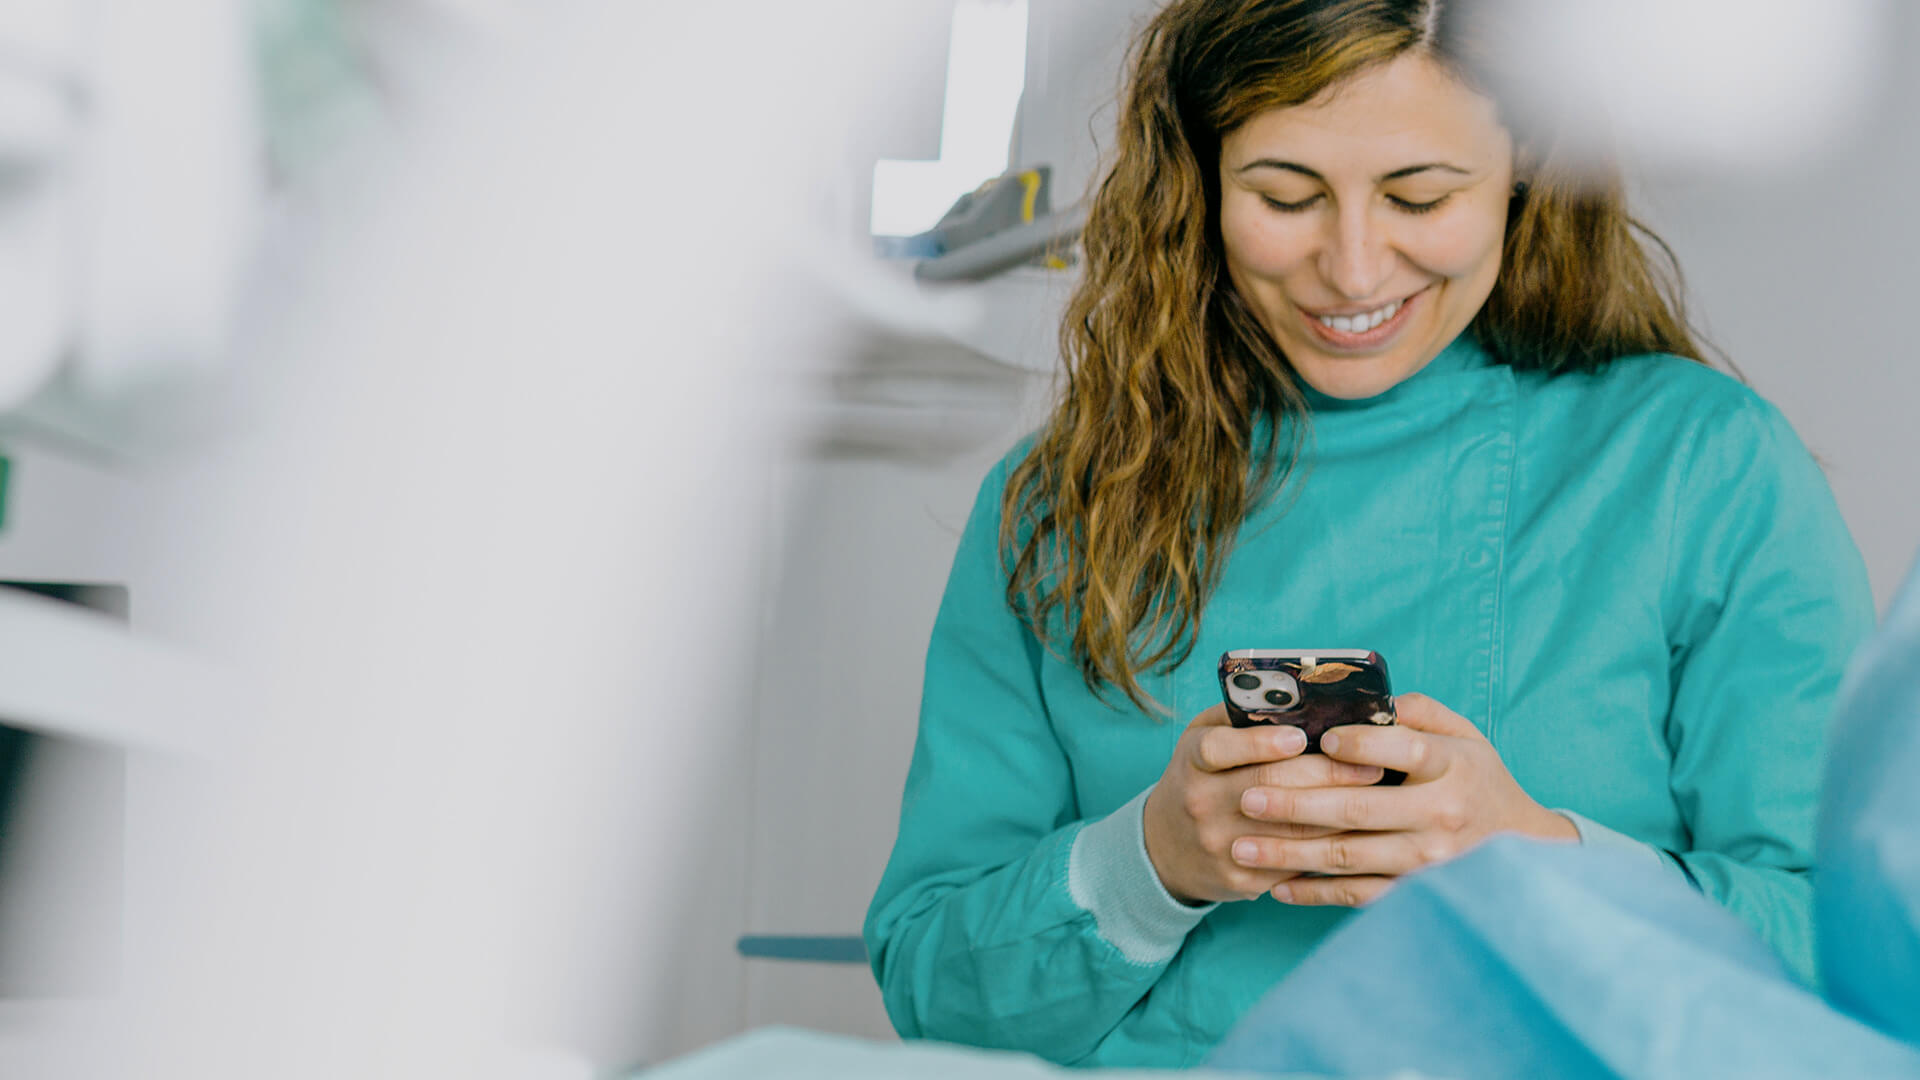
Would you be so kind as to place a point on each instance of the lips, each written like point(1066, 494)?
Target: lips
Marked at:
point(1363, 330)
point(1361, 323)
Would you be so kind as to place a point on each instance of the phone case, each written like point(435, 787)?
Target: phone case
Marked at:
point(1312, 689)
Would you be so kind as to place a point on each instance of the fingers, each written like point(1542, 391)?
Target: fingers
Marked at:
point(1420, 744)
point(1419, 754)
point(1343, 853)
point(1289, 831)
point(1218, 749)
point(1422, 713)
point(1358, 891)
point(1312, 770)
point(1373, 809)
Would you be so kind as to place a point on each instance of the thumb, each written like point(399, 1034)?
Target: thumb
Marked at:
point(1422, 713)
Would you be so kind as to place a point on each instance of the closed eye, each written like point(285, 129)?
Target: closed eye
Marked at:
point(1418, 207)
point(1291, 207)
point(1398, 203)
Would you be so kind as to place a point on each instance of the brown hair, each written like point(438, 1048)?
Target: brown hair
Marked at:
point(1121, 515)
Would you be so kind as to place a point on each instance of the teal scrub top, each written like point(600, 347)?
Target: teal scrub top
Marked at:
point(1635, 582)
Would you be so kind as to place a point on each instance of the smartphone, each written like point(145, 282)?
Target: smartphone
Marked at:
point(1311, 689)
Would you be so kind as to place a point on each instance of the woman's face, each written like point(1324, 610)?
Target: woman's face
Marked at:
point(1364, 228)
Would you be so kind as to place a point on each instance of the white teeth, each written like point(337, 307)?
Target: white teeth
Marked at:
point(1360, 324)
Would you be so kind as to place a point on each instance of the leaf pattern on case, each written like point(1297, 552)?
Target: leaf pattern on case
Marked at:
point(1236, 665)
point(1326, 673)
point(1382, 717)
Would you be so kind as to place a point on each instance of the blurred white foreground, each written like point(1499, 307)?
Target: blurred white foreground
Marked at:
point(472, 568)
point(1698, 85)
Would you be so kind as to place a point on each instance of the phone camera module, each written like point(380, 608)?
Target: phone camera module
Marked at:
point(1263, 690)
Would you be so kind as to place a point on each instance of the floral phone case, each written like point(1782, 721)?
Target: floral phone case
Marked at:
point(1310, 689)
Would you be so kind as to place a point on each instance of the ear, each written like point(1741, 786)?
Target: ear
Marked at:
point(1526, 168)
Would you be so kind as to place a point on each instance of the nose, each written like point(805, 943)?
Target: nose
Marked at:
point(1357, 257)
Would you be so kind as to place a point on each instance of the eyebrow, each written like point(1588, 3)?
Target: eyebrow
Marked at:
point(1396, 174)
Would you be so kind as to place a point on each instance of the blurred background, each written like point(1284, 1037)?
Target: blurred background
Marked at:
point(479, 474)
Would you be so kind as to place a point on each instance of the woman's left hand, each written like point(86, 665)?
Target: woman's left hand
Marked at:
point(1457, 793)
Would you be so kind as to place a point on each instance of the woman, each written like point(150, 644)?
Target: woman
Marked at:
point(1358, 362)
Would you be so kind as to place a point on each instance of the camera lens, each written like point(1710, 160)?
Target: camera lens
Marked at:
point(1279, 698)
point(1247, 682)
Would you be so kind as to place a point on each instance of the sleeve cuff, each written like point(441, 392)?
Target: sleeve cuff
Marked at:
point(1110, 876)
point(1595, 835)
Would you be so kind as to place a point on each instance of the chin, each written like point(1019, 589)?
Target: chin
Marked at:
point(1352, 385)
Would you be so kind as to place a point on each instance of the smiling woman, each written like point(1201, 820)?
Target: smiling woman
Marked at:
point(1365, 229)
point(1358, 362)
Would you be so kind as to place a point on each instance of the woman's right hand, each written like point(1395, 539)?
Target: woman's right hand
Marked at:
point(1193, 814)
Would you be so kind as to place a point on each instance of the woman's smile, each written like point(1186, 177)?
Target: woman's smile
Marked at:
point(1364, 331)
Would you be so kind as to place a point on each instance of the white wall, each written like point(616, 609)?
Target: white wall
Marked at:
point(1076, 56)
point(866, 551)
point(868, 544)
point(1805, 276)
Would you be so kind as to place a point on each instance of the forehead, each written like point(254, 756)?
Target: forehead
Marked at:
point(1408, 109)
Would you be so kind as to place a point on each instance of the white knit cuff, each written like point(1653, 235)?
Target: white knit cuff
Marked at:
point(1110, 875)
point(1595, 835)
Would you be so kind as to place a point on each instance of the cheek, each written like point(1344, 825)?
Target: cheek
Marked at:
point(1461, 247)
point(1260, 243)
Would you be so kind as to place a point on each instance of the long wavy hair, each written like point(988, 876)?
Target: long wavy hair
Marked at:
point(1120, 517)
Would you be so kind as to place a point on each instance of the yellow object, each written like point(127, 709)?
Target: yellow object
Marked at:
point(1030, 180)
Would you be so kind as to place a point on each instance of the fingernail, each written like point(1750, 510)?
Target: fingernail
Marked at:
point(1246, 851)
point(1283, 894)
point(1329, 743)
point(1289, 739)
point(1254, 802)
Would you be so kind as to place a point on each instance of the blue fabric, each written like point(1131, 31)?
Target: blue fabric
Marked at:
point(1524, 960)
point(790, 1054)
point(1867, 891)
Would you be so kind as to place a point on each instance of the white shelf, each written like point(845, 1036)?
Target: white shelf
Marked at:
point(1011, 320)
point(74, 672)
point(931, 368)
